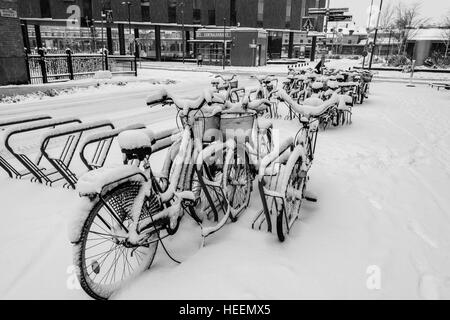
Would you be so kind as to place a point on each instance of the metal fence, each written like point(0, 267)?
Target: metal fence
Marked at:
point(45, 68)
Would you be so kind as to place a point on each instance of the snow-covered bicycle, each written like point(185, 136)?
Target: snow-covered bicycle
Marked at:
point(128, 209)
point(283, 177)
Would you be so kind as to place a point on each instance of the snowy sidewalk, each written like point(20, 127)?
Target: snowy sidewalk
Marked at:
point(282, 69)
point(143, 76)
point(383, 205)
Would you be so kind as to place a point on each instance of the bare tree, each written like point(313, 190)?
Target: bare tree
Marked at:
point(387, 17)
point(407, 18)
point(446, 33)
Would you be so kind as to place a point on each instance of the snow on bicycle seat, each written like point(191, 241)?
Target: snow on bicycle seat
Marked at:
point(313, 101)
point(317, 85)
point(333, 84)
point(136, 144)
point(348, 84)
point(156, 96)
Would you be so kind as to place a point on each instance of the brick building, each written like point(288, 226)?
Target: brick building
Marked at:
point(159, 23)
point(12, 57)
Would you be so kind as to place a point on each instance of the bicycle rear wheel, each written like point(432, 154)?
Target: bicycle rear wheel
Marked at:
point(293, 198)
point(105, 261)
point(238, 182)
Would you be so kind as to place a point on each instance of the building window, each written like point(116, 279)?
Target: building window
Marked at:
point(349, 41)
point(196, 11)
point(106, 4)
point(45, 9)
point(260, 16)
point(172, 11)
point(233, 20)
point(145, 10)
point(288, 13)
point(211, 17)
point(87, 8)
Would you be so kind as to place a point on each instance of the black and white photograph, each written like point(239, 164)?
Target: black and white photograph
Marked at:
point(248, 151)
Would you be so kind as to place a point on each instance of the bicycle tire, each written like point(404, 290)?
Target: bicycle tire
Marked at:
point(291, 205)
point(237, 180)
point(121, 197)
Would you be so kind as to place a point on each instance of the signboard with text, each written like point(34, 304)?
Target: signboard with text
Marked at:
point(8, 13)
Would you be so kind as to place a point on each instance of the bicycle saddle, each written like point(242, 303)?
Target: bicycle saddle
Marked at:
point(333, 84)
point(348, 84)
point(308, 110)
point(313, 101)
point(317, 85)
point(136, 144)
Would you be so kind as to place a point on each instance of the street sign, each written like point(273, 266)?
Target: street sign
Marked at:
point(109, 16)
point(327, 11)
point(8, 13)
point(308, 25)
point(317, 34)
point(336, 18)
point(364, 53)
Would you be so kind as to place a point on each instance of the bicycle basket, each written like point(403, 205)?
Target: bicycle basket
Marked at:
point(206, 127)
point(233, 84)
point(239, 124)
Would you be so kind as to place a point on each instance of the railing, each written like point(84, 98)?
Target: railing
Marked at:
point(45, 68)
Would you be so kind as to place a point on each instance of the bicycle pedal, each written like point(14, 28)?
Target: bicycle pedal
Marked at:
point(309, 197)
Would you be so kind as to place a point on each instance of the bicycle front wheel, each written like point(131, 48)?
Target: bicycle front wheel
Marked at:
point(293, 198)
point(104, 259)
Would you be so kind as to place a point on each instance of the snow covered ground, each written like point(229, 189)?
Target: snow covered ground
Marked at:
point(383, 210)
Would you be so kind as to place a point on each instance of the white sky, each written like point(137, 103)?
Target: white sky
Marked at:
point(434, 9)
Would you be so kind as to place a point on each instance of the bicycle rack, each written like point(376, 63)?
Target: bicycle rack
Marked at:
point(4, 124)
point(33, 167)
point(268, 182)
point(62, 162)
point(103, 141)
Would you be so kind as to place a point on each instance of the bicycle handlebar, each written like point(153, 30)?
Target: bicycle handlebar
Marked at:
point(225, 79)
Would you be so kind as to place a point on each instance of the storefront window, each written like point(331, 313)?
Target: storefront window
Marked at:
point(212, 53)
point(285, 45)
point(147, 43)
point(83, 40)
point(171, 44)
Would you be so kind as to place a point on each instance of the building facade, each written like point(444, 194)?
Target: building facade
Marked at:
point(163, 27)
point(12, 57)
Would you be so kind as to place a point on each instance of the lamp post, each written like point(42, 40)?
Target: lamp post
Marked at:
point(183, 44)
point(375, 36)
point(128, 4)
point(224, 43)
point(103, 16)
